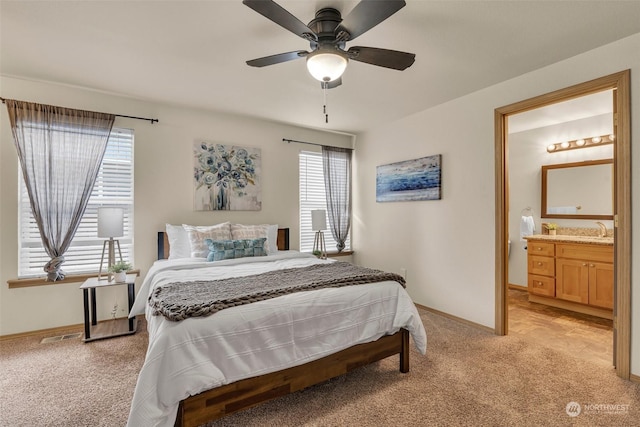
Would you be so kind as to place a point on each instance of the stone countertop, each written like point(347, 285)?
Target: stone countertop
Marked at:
point(564, 238)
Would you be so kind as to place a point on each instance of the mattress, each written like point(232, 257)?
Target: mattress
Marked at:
point(196, 354)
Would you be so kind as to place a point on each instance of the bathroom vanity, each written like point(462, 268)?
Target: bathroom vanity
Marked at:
point(571, 272)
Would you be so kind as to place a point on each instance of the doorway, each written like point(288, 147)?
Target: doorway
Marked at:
point(619, 84)
point(585, 193)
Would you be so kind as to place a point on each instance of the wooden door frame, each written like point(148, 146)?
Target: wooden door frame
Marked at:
point(620, 83)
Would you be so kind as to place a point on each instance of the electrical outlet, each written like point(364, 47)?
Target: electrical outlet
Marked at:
point(403, 273)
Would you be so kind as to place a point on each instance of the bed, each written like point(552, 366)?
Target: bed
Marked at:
point(200, 369)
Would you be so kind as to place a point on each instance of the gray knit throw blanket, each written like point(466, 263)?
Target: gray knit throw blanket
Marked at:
point(178, 301)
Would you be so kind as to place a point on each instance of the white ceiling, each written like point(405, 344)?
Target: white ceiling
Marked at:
point(193, 53)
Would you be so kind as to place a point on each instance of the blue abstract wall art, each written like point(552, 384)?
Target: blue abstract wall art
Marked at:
point(409, 180)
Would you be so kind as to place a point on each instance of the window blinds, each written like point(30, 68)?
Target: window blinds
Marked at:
point(313, 196)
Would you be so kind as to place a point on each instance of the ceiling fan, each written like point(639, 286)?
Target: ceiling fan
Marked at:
point(327, 35)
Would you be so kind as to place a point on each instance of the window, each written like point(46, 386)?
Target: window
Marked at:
point(113, 187)
point(312, 196)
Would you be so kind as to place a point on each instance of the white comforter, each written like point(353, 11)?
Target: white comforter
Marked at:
point(187, 357)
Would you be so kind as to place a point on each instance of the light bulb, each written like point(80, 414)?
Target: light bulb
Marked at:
point(565, 144)
point(580, 142)
point(551, 148)
point(612, 137)
point(596, 140)
point(326, 66)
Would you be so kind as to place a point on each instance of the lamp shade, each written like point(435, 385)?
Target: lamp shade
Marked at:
point(326, 66)
point(110, 222)
point(319, 220)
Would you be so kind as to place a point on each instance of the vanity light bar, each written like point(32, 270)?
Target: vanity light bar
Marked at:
point(581, 143)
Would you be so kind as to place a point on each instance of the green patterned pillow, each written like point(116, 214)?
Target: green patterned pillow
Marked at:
point(230, 249)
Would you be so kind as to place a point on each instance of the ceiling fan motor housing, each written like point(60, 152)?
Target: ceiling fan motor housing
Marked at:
point(324, 25)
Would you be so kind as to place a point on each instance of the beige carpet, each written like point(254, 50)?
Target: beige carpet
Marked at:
point(468, 378)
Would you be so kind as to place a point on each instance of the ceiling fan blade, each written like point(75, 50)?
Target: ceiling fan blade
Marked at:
point(382, 57)
point(366, 15)
point(276, 13)
point(330, 85)
point(276, 59)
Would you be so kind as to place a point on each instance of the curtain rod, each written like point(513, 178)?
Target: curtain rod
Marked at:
point(117, 115)
point(300, 142)
point(312, 143)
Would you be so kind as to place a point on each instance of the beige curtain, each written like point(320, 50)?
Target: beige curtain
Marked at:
point(60, 152)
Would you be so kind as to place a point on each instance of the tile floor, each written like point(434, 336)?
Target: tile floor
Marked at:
point(582, 335)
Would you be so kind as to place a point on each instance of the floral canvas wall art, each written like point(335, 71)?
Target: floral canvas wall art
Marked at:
point(226, 177)
point(410, 180)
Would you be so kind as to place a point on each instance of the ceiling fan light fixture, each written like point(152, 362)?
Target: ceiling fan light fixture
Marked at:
point(326, 66)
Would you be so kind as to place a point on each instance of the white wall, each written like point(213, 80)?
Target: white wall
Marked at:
point(163, 188)
point(527, 154)
point(447, 246)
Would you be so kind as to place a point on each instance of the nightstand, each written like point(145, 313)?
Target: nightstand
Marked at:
point(341, 256)
point(110, 328)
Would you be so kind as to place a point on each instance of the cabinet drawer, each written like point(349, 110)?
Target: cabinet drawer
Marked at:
point(541, 285)
point(541, 265)
point(585, 252)
point(540, 248)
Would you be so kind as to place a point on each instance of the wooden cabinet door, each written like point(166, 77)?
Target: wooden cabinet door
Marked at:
point(572, 280)
point(601, 284)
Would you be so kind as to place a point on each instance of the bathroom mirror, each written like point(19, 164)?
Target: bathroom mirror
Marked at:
point(581, 190)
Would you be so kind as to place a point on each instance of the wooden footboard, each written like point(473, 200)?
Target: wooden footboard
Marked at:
point(230, 398)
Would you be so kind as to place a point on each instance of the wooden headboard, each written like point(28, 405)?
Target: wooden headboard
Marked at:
point(163, 242)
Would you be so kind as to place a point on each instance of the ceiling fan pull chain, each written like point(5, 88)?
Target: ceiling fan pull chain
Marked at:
point(324, 107)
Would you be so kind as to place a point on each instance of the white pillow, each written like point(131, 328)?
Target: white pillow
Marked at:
point(270, 231)
point(179, 246)
point(198, 234)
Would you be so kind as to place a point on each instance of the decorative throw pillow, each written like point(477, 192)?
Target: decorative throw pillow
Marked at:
point(198, 235)
point(268, 231)
point(230, 249)
point(179, 246)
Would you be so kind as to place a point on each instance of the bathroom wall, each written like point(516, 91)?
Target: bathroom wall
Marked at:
point(527, 154)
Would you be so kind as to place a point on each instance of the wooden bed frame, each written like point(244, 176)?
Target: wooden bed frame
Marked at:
point(227, 399)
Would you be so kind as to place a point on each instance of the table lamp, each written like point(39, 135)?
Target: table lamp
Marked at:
point(319, 223)
point(110, 225)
